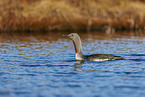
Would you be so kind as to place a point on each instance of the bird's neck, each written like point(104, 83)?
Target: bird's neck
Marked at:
point(78, 49)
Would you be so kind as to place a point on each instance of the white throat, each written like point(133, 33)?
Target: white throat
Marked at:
point(79, 56)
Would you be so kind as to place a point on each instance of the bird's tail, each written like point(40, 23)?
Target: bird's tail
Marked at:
point(118, 58)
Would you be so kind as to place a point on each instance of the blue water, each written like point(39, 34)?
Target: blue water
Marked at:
point(33, 65)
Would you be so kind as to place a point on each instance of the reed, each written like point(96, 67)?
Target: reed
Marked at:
point(72, 15)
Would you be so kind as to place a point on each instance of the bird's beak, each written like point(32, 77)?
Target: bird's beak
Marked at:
point(65, 35)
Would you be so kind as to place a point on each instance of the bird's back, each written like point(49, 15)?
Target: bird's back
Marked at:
point(101, 57)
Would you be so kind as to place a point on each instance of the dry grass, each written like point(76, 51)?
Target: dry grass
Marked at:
point(63, 15)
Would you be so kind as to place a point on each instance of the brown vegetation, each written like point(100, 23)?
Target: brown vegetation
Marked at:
point(73, 15)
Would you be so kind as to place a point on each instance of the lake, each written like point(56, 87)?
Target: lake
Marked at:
point(44, 65)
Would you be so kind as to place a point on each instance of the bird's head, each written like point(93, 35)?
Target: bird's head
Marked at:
point(73, 36)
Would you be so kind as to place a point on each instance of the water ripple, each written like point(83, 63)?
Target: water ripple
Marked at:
point(39, 66)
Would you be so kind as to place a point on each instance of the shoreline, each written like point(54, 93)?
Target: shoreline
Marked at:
point(72, 15)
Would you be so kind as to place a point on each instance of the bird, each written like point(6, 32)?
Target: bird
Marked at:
point(94, 57)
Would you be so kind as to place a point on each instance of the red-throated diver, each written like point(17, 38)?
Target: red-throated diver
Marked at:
point(94, 57)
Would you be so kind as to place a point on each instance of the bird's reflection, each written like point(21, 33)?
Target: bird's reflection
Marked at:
point(78, 65)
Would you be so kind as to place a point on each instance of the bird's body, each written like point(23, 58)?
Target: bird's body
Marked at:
point(101, 57)
point(94, 57)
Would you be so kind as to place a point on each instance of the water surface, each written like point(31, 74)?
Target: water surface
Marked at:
point(44, 65)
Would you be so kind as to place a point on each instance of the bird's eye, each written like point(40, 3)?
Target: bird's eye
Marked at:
point(72, 35)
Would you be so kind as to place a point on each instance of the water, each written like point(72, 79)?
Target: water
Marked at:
point(43, 65)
